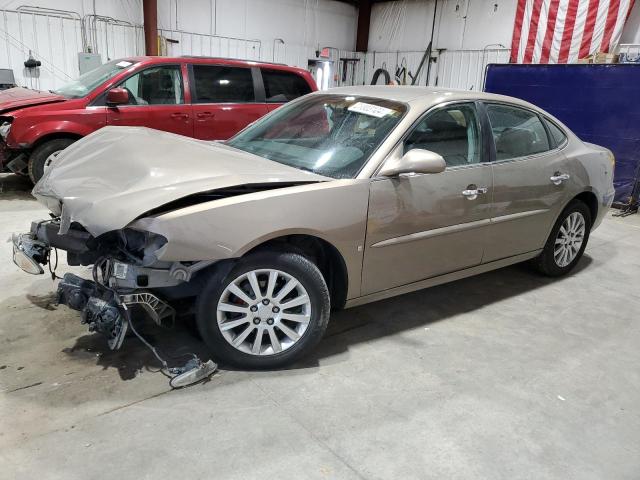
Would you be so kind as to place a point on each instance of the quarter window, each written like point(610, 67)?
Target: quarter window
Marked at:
point(558, 137)
point(283, 86)
point(219, 84)
point(155, 86)
point(452, 132)
point(516, 132)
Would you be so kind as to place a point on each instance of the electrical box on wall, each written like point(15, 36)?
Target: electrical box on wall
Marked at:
point(88, 61)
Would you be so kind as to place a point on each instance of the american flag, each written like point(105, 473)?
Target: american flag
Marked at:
point(562, 31)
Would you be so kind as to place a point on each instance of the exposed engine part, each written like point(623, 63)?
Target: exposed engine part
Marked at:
point(183, 272)
point(106, 311)
point(104, 317)
point(18, 164)
point(74, 291)
point(158, 310)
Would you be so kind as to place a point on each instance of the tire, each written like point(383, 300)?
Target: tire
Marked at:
point(257, 314)
point(551, 263)
point(40, 154)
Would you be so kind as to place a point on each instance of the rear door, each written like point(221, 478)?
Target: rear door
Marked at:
point(225, 99)
point(531, 180)
point(281, 86)
point(156, 100)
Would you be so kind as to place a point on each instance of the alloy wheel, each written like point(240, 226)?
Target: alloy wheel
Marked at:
point(569, 239)
point(50, 159)
point(263, 312)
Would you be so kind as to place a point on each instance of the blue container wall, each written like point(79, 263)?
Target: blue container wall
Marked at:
point(600, 103)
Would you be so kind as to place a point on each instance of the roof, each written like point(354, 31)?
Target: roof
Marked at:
point(218, 60)
point(422, 96)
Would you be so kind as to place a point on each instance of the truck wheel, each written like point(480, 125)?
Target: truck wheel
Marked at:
point(44, 154)
point(268, 311)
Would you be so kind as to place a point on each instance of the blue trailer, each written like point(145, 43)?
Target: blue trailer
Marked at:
point(599, 102)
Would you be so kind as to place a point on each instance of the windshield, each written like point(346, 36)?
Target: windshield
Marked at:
point(90, 80)
point(332, 135)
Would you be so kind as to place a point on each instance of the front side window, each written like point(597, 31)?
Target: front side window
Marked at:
point(516, 132)
point(220, 84)
point(332, 135)
point(155, 86)
point(89, 81)
point(452, 132)
point(282, 86)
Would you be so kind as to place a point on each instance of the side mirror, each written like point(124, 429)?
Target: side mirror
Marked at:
point(416, 160)
point(117, 96)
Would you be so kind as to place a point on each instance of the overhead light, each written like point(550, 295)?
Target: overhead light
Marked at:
point(224, 82)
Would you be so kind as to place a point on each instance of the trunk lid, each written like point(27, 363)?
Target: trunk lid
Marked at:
point(115, 175)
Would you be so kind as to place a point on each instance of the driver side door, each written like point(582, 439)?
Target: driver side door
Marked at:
point(422, 226)
point(156, 100)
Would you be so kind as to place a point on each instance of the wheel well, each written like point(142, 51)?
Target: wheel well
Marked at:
point(591, 201)
point(54, 136)
point(326, 257)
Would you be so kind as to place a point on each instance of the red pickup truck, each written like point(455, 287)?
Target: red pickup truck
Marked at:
point(205, 98)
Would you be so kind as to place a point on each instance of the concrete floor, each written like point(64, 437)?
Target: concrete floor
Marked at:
point(507, 375)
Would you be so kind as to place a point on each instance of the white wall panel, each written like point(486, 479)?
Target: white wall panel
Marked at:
point(460, 24)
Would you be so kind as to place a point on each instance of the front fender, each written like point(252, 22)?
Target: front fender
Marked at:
point(25, 136)
point(334, 211)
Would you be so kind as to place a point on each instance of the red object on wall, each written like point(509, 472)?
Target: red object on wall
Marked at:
point(563, 31)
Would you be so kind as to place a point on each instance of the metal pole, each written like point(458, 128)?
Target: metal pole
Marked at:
point(433, 28)
point(150, 14)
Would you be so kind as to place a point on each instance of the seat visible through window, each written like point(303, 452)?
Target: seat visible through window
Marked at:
point(451, 132)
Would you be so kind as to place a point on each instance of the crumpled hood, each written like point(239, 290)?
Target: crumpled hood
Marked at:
point(115, 175)
point(18, 97)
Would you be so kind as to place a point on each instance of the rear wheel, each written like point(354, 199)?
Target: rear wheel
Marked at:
point(268, 311)
point(567, 241)
point(44, 155)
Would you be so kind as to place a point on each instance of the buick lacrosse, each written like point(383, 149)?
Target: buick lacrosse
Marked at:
point(336, 199)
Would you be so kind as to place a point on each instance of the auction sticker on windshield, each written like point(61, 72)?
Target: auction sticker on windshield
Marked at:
point(368, 109)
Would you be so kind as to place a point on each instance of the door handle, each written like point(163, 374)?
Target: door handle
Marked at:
point(204, 114)
point(558, 178)
point(184, 116)
point(472, 192)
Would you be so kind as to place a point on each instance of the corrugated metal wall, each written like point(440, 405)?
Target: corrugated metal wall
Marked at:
point(56, 37)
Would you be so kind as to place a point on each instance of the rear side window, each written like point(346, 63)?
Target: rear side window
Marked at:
point(557, 136)
point(516, 132)
point(283, 86)
point(219, 84)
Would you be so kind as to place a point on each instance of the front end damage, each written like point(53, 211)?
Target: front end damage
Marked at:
point(125, 280)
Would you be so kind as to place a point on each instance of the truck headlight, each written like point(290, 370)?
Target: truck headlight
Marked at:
point(4, 130)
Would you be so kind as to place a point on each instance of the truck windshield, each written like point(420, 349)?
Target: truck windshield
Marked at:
point(90, 80)
point(332, 135)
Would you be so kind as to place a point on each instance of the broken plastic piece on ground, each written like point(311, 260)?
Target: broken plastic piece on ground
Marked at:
point(193, 372)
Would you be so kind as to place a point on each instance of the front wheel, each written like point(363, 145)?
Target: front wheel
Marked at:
point(268, 311)
point(567, 241)
point(44, 155)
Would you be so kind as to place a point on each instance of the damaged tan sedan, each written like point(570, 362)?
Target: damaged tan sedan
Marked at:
point(333, 200)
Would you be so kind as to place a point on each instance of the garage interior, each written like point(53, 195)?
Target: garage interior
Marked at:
point(504, 375)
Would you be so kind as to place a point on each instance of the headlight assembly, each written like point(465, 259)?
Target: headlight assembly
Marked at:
point(4, 130)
